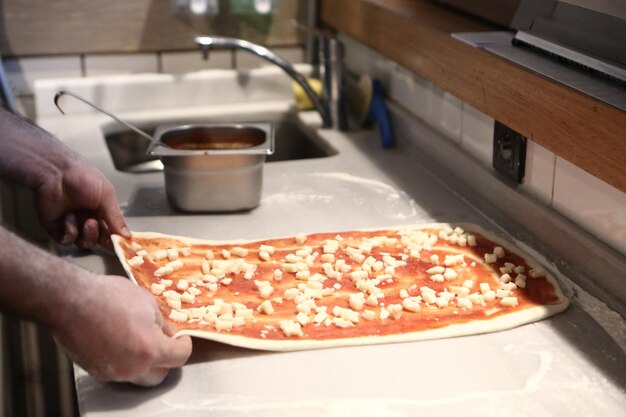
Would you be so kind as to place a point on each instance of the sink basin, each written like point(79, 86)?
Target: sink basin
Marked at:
point(292, 141)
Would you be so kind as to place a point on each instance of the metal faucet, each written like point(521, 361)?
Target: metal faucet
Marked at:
point(326, 109)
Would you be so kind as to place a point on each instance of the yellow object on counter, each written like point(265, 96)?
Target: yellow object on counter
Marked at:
point(303, 102)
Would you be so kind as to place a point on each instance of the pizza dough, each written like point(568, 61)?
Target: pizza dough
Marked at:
point(359, 287)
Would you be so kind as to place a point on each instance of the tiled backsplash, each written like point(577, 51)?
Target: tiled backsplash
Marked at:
point(22, 72)
point(592, 204)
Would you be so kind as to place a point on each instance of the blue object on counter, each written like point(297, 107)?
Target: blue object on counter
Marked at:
point(378, 113)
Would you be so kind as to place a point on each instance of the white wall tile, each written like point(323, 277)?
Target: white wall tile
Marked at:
point(360, 59)
point(22, 72)
point(110, 64)
point(188, 61)
point(246, 60)
point(445, 113)
point(410, 91)
point(539, 177)
point(477, 134)
point(440, 109)
point(590, 202)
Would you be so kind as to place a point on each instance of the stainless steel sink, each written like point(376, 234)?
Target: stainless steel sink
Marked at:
point(291, 142)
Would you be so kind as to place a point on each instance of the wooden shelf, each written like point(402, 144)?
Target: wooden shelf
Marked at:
point(416, 34)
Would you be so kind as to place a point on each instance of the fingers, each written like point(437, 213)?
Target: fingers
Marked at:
point(105, 235)
point(154, 376)
point(176, 351)
point(70, 230)
point(112, 215)
point(89, 235)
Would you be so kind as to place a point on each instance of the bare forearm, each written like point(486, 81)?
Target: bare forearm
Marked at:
point(29, 154)
point(36, 285)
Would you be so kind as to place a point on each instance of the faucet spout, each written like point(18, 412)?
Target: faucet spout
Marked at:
point(206, 43)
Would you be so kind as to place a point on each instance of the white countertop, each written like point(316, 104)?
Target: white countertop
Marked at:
point(566, 365)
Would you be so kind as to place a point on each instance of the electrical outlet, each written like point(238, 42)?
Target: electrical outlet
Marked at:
point(509, 152)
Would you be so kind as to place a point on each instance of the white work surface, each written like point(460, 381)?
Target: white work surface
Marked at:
point(567, 365)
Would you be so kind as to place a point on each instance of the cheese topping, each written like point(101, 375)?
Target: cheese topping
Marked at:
point(377, 284)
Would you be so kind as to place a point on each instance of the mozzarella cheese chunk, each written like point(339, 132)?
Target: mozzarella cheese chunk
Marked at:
point(278, 275)
point(135, 261)
point(178, 316)
point(172, 254)
point(163, 271)
point(504, 278)
point(302, 318)
point(411, 304)
point(342, 323)
point(239, 251)
point(369, 315)
point(468, 283)
point(223, 324)
point(489, 295)
point(157, 289)
point(176, 265)
point(300, 238)
point(187, 297)
point(175, 304)
point(451, 260)
point(159, 255)
point(290, 328)
point(182, 285)
point(265, 292)
point(502, 293)
point(464, 302)
point(509, 301)
point(536, 273)
point(357, 301)
point(450, 274)
point(437, 278)
point(267, 248)
point(303, 275)
point(490, 258)
point(436, 270)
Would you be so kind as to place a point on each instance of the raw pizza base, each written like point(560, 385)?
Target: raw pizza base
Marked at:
point(501, 322)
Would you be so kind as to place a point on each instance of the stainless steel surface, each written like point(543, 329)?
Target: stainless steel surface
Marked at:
point(566, 365)
point(233, 184)
point(500, 44)
point(111, 115)
point(212, 175)
point(594, 28)
point(206, 43)
point(585, 60)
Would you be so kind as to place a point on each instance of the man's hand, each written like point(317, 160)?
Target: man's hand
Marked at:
point(78, 205)
point(115, 331)
point(75, 202)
